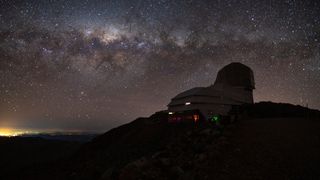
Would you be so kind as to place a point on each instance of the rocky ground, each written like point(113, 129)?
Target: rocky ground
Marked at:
point(271, 143)
point(275, 141)
point(277, 148)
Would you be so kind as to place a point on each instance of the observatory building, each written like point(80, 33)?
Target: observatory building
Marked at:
point(233, 87)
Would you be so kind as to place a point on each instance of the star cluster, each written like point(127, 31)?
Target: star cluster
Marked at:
point(92, 65)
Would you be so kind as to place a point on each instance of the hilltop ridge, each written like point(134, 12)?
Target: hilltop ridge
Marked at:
point(150, 148)
point(272, 141)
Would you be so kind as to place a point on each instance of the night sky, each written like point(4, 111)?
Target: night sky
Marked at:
point(93, 65)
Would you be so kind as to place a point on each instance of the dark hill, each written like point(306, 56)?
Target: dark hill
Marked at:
point(271, 110)
point(23, 155)
point(274, 141)
point(143, 137)
point(150, 148)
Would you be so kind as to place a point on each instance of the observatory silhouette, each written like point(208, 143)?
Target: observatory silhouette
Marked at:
point(233, 87)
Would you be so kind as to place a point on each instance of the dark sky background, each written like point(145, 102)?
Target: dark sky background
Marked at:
point(92, 65)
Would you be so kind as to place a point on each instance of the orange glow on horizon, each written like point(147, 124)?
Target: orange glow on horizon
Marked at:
point(9, 132)
point(12, 132)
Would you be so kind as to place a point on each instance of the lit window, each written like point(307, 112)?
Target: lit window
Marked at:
point(188, 103)
point(196, 117)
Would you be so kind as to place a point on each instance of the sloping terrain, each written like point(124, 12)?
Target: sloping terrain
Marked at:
point(271, 143)
point(277, 148)
point(272, 148)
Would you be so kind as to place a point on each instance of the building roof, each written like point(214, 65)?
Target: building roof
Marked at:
point(199, 91)
point(232, 86)
point(236, 74)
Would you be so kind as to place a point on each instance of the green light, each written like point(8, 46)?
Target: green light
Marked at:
point(215, 118)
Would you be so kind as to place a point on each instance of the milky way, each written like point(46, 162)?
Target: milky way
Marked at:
point(92, 65)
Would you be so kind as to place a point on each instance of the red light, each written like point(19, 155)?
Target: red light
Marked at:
point(196, 117)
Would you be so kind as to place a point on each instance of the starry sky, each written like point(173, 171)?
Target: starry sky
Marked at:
point(90, 65)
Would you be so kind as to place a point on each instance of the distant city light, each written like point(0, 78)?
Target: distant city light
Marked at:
point(188, 103)
point(9, 132)
point(170, 112)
